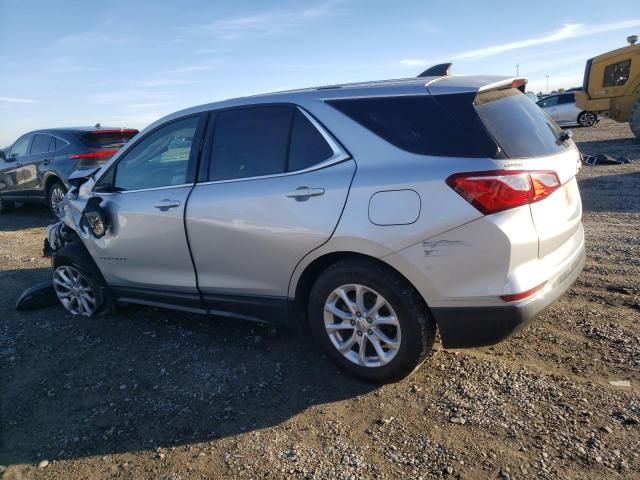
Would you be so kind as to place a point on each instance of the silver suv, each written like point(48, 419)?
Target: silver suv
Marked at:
point(371, 212)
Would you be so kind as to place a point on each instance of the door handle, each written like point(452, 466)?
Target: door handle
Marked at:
point(304, 193)
point(166, 204)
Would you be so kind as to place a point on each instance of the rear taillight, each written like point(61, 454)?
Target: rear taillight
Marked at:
point(98, 154)
point(111, 131)
point(498, 190)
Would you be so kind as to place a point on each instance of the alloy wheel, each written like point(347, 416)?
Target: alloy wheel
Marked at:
point(74, 291)
point(362, 325)
point(56, 198)
point(587, 119)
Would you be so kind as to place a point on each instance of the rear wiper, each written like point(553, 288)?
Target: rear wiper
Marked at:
point(565, 135)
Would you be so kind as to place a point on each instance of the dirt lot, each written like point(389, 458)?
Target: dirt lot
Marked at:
point(155, 394)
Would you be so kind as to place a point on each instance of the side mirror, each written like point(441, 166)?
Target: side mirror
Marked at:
point(95, 218)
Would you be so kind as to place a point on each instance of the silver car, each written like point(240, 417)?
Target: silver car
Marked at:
point(373, 213)
point(563, 110)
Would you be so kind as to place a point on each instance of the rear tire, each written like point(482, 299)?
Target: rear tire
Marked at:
point(634, 119)
point(587, 119)
point(55, 197)
point(384, 313)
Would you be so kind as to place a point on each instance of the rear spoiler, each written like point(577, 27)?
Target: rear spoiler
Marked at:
point(515, 82)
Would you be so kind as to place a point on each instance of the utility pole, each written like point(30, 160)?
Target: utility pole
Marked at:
point(517, 69)
point(547, 83)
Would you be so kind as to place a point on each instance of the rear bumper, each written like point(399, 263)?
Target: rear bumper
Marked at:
point(464, 327)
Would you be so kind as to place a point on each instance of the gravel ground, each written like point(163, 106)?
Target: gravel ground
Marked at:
point(155, 394)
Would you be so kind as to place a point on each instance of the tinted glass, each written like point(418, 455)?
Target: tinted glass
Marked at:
point(250, 142)
point(549, 101)
point(40, 144)
point(567, 98)
point(519, 127)
point(445, 125)
point(59, 143)
point(308, 146)
point(161, 159)
point(20, 147)
point(616, 74)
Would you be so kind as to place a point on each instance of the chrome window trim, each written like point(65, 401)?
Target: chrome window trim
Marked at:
point(59, 138)
point(142, 189)
point(318, 166)
point(339, 155)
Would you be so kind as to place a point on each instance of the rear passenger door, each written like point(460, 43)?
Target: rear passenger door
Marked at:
point(10, 177)
point(274, 186)
point(566, 109)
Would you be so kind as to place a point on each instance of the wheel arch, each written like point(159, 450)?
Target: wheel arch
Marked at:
point(306, 279)
point(49, 180)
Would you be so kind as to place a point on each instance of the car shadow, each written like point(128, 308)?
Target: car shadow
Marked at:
point(609, 193)
point(26, 216)
point(145, 378)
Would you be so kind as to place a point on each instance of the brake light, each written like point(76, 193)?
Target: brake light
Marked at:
point(522, 295)
point(98, 154)
point(519, 82)
point(499, 190)
point(114, 130)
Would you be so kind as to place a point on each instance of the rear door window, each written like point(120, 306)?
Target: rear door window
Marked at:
point(40, 144)
point(549, 101)
point(308, 146)
point(59, 143)
point(567, 98)
point(520, 128)
point(250, 142)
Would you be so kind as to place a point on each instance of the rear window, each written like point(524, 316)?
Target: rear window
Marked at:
point(107, 139)
point(520, 127)
point(491, 124)
point(444, 125)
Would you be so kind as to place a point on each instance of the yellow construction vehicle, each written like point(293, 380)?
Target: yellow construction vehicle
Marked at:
point(611, 85)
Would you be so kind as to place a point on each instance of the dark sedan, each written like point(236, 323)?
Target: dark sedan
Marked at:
point(36, 167)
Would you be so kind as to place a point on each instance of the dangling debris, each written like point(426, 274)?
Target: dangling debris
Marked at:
point(604, 159)
point(39, 296)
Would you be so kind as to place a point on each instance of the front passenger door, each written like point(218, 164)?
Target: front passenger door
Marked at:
point(10, 176)
point(30, 169)
point(145, 254)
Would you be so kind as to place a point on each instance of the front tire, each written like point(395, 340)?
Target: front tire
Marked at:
point(587, 119)
point(55, 197)
point(77, 291)
point(370, 320)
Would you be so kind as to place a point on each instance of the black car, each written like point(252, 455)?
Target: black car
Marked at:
point(36, 167)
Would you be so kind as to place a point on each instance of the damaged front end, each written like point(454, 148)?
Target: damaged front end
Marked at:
point(83, 217)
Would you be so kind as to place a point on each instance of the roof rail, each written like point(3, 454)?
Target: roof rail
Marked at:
point(440, 70)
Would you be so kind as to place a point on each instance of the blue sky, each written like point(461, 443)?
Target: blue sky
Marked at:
point(127, 63)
